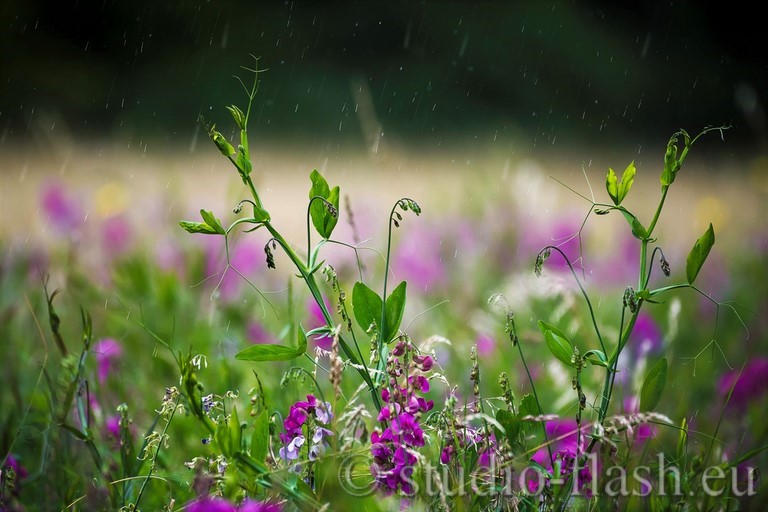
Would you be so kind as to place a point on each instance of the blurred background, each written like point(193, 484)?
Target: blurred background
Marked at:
point(105, 96)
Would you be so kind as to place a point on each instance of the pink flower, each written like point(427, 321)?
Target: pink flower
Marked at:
point(112, 427)
point(258, 334)
point(749, 387)
point(212, 505)
point(485, 345)
point(418, 258)
point(107, 351)
point(62, 211)
point(116, 235)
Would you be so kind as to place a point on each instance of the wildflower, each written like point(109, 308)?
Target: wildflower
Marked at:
point(646, 336)
point(63, 211)
point(107, 351)
point(748, 387)
point(116, 235)
point(299, 416)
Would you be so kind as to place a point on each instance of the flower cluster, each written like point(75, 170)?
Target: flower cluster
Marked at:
point(310, 414)
point(209, 504)
point(393, 448)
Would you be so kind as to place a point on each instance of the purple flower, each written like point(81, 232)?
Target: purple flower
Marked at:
point(418, 258)
point(211, 505)
point(112, 427)
point(63, 212)
point(107, 351)
point(749, 387)
point(257, 334)
point(250, 505)
point(291, 450)
point(562, 434)
point(316, 319)
point(646, 337)
point(485, 345)
point(116, 235)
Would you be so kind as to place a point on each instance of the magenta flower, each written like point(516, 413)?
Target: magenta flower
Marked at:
point(112, 427)
point(485, 345)
point(418, 258)
point(315, 320)
point(250, 505)
point(293, 438)
point(63, 212)
point(646, 337)
point(749, 387)
point(108, 351)
point(116, 235)
point(212, 505)
point(257, 334)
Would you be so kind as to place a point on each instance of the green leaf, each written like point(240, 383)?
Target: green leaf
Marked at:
point(699, 253)
point(627, 178)
point(272, 352)
point(235, 432)
point(261, 215)
point(546, 326)
point(511, 426)
point(212, 221)
point(237, 115)
point(197, 227)
point(323, 219)
point(638, 230)
point(223, 439)
point(653, 386)
point(596, 357)
point(260, 437)
point(528, 406)
point(394, 312)
point(560, 347)
point(221, 142)
point(366, 304)
point(612, 186)
point(243, 162)
point(671, 163)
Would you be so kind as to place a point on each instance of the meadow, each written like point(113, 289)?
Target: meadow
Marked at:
point(421, 336)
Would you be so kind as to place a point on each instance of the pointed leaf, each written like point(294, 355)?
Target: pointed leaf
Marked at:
point(197, 227)
point(699, 253)
point(394, 312)
point(511, 426)
point(560, 347)
point(546, 326)
point(272, 352)
point(627, 178)
point(260, 437)
point(653, 386)
point(212, 221)
point(235, 431)
point(366, 304)
point(612, 186)
point(322, 218)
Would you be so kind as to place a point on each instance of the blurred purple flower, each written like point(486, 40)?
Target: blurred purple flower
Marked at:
point(486, 345)
point(750, 386)
point(646, 337)
point(107, 351)
point(62, 211)
point(246, 257)
point(250, 505)
point(13, 462)
point(562, 434)
point(116, 235)
point(315, 320)
point(112, 427)
point(643, 431)
point(211, 505)
point(562, 234)
point(258, 334)
point(418, 258)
